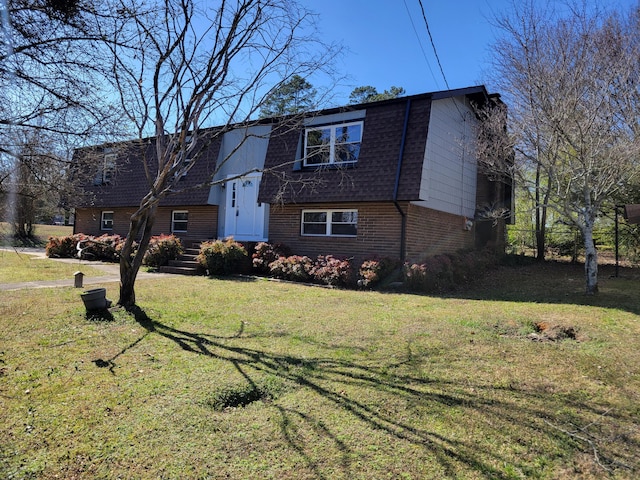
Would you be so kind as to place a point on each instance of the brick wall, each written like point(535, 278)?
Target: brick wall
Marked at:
point(202, 223)
point(430, 232)
point(378, 231)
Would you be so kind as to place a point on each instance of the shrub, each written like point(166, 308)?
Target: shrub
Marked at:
point(373, 271)
point(222, 257)
point(161, 250)
point(444, 272)
point(266, 253)
point(332, 271)
point(105, 248)
point(64, 247)
point(296, 268)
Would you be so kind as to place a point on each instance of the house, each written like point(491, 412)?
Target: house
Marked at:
point(396, 178)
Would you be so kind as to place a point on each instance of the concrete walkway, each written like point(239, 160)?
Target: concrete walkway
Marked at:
point(111, 272)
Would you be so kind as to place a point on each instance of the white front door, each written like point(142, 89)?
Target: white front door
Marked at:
point(244, 216)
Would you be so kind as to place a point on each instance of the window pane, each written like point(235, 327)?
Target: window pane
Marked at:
point(177, 216)
point(317, 137)
point(315, 217)
point(347, 152)
point(351, 133)
point(317, 156)
point(344, 229)
point(344, 217)
point(314, 229)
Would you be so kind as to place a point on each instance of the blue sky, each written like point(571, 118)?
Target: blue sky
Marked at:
point(384, 50)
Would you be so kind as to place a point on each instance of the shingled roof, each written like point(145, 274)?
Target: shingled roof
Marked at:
point(372, 178)
point(128, 184)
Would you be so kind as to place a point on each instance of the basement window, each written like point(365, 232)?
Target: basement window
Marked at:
point(330, 223)
point(179, 220)
point(106, 221)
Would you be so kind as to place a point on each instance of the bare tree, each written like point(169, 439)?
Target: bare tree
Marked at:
point(571, 82)
point(50, 65)
point(192, 65)
point(32, 184)
point(54, 92)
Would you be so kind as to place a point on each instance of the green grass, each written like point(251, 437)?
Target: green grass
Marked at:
point(329, 384)
point(21, 267)
point(42, 233)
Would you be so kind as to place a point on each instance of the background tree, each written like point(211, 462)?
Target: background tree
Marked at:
point(571, 83)
point(293, 96)
point(55, 87)
point(183, 65)
point(366, 94)
point(32, 186)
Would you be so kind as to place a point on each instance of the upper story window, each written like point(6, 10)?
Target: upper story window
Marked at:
point(106, 221)
point(106, 170)
point(332, 144)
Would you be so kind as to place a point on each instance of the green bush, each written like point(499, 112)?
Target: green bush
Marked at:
point(222, 257)
point(161, 250)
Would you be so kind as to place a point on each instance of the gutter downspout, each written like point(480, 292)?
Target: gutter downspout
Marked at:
point(403, 215)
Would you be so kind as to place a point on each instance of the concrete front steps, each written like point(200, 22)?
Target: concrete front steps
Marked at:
point(186, 264)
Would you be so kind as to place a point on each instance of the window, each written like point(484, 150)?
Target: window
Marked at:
point(106, 221)
point(106, 170)
point(340, 223)
point(333, 144)
point(179, 220)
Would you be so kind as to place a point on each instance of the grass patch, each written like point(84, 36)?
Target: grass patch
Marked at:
point(42, 234)
point(258, 379)
point(21, 267)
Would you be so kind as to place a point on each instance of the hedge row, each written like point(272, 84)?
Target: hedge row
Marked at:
point(276, 260)
point(107, 248)
point(226, 257)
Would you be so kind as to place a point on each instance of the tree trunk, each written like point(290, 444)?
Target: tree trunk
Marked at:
point(141, 222)
point(590, 260)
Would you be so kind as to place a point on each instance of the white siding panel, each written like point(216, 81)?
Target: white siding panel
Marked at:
point(449, 170)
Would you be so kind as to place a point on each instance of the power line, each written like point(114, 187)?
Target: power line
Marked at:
point(424, 54)
point(424, 16)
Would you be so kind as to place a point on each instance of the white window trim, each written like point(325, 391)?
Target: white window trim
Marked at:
point(328, 222)
point(102, 220)
point(332, 142)
point(173, 221)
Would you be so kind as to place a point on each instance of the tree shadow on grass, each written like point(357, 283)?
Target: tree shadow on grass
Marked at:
point(515, 415)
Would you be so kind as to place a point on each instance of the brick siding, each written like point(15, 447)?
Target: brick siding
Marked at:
point(202, 223)
point(428, 232)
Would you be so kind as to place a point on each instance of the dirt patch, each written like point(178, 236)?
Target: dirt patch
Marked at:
point(548, 332)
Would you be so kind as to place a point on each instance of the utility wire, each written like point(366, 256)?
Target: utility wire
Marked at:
point(424, 16)
point(424, 54)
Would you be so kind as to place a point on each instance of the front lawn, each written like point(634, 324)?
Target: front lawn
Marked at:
point(42, 233)
point(257, 379)
point(22, 267)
